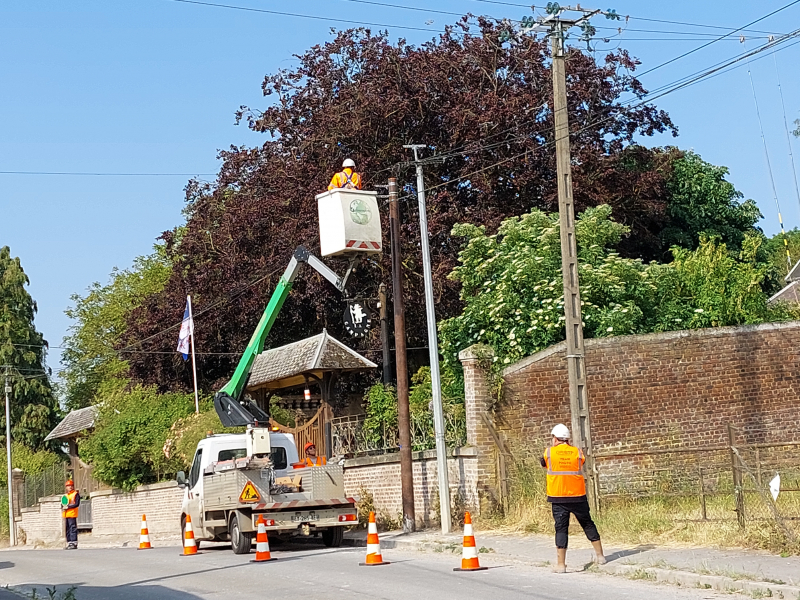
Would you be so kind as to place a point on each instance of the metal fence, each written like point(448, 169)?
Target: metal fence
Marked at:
point(349, 437)
point(711, 483)
point(49, 482)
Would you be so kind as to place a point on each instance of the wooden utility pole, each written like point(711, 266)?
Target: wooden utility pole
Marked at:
point(384, 315)
point(576, 366)
point(401, 366)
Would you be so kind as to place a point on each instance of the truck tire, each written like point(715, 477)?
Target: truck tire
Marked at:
point(241, 542)
point(333, 537)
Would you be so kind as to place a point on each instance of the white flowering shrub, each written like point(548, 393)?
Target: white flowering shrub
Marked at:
point(513, 291)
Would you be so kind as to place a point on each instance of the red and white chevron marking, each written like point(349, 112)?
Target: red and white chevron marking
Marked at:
point(363, 245)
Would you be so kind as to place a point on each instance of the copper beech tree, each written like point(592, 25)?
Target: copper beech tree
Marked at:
point(484, 110)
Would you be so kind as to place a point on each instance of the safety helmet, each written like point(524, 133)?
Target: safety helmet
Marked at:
point(309, 445)
point(70, 482)
point(561, 432)
point(349, 162)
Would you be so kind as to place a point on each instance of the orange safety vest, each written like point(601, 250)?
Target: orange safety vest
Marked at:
point(320, 461)
point(71, 513)
point(343, 180)
point(564, 475)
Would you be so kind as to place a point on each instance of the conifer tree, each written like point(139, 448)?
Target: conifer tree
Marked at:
point(34, 408)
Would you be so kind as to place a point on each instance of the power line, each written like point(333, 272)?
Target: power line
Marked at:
point(303, 16)
point(98, 174)
point(706, 45)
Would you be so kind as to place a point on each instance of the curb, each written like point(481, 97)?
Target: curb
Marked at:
point(756, 589)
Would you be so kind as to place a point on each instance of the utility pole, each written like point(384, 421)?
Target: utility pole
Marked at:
point(12, 539)
point(576, 366)
point(433, 350)
point(384, 315)
point(401, 366)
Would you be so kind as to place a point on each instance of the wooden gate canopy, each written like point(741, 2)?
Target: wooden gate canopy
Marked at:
point(309, 359)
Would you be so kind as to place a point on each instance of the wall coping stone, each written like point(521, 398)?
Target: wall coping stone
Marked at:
point(394, 457)
point(30, 509)
point(142, 488)
point(661, 336)
point(476, 352)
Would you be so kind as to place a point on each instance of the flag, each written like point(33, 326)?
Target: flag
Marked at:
point(187, 330)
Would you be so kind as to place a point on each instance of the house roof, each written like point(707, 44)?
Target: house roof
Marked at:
point(289, 365)
point(791, 293)
point(75, 422)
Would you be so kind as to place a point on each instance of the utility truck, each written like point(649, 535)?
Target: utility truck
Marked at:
point(237, 478)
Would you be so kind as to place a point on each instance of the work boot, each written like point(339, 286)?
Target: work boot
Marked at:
point(561, 566)
point(600, 558)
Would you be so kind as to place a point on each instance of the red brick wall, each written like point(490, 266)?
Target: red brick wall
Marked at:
point(656, 392)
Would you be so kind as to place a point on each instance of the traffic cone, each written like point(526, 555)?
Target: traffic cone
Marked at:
point(262, 543)
point(144, 536)
point(374, 557)
point(189, 545)
point(469, 554)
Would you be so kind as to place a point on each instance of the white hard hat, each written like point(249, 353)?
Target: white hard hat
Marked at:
point(561, 432)
point(349, 162)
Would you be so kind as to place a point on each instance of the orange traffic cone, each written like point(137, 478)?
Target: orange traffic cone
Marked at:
point(469, 554)
point(144, 536)
point(262, 542)
point(189, 545)
point(374, 557)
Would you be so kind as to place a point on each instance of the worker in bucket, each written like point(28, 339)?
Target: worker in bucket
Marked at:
point(346, 178)
point(566, 491)
point(312, 460)
point(71, 501)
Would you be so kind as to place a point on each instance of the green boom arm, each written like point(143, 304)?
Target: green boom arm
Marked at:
point(237, 383)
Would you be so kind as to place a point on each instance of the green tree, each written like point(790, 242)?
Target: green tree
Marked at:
point(92, 366)
point(775, 252)
point(513, 296)
point(702, 201)
point(133, 427)
point(34, 409)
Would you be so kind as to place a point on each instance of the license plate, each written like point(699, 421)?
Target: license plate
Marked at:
point(305, 517)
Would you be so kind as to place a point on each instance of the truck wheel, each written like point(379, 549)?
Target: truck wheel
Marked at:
point(241, 542)
point(183, 534)
point(333, 537)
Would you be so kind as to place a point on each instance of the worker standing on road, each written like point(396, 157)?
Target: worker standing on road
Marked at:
point(70, 512)
point(566, 490)
point(347, 178)
point(312, 460)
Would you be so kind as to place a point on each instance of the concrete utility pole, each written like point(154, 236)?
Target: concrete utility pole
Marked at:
point(12, 539)
point(576, 366)
point(401, 366)
point(433, 350)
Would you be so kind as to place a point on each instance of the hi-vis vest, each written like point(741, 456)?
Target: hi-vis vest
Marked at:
point(564, 476)
point(71, 513)
point(320, 461)
point(343, 180)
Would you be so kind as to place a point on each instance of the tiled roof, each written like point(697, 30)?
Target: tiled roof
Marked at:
point(791, 293)
point(75, 422)
point(286, 366)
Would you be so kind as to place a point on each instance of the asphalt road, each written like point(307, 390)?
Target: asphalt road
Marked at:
point(307, 573)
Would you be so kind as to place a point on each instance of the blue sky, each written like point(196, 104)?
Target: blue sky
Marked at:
point(151, 86)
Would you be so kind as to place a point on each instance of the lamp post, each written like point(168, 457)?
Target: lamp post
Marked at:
point(12, 534)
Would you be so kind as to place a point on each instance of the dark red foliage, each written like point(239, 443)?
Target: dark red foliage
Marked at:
point(482, 106)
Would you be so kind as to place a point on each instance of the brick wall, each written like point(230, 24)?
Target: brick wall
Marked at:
point(654, 392)
point(41, 524)
point(380, 476)
point(120, 513)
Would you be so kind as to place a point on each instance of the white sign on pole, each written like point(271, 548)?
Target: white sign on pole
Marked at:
point(775, 486)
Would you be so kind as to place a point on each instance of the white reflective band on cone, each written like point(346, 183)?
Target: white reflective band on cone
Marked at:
point(144, 539)
point(373, 528)
point(470, 552)
point(262, 546)
point(468, 530)
point(373, 548)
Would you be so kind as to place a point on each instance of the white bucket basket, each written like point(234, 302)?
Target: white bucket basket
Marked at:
point(349, 222)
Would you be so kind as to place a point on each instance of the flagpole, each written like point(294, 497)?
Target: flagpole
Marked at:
point(194, 366)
